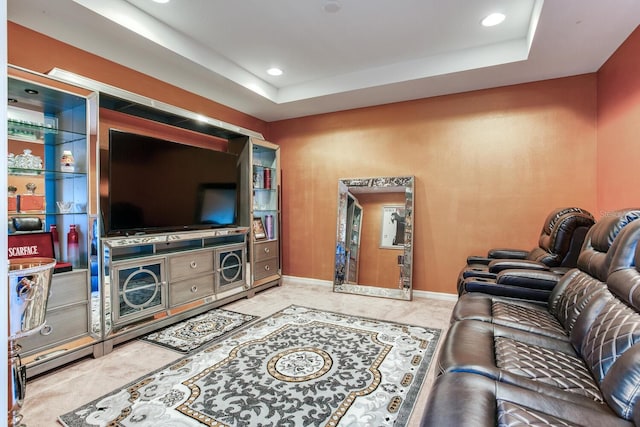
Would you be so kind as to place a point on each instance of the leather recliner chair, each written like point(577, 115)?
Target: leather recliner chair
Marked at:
point(557, 252)
point(542, 285)
point(573, 292)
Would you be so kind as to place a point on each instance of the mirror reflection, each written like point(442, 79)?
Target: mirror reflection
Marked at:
point(374, 236)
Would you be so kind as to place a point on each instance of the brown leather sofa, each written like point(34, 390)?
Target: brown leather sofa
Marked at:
point(576, 361)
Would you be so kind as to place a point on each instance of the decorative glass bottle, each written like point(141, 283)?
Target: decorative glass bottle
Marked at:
point(269, 226)
point(73, 248)
point(56, 241)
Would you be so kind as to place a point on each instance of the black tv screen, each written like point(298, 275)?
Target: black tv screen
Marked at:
point(157, 185)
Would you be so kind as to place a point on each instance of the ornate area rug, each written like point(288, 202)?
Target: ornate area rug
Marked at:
point(197, 331)
point(298, 367)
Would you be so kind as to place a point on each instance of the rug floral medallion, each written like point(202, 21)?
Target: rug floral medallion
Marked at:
point(298, 367)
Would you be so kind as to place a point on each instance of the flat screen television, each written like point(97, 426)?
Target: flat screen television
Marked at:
point(156, 185)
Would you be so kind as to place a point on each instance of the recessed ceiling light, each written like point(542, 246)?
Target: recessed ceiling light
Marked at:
point(12, 100)
point(274, 71)
point(162, 1)
point(493, 19)
point(31, 91)
point(331, 6)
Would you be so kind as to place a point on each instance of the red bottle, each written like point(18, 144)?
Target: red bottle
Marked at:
point(267, 178)
point(73, 249)
point(56, 241)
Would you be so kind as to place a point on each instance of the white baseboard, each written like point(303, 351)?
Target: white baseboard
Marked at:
point(306, 281)
point(327, 283)
point(435, 295)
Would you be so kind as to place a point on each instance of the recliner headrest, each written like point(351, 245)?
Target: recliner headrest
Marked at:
point(624, 271)
point(594, 258)
point(557, 233)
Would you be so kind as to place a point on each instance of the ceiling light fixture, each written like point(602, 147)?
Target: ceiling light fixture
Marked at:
point(331, 6)
point(274, 71)
point(493, 19)
point(162, 1)
point(31, 91)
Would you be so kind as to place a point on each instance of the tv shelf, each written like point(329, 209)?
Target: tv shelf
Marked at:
point(151, 281)
point(127, 247)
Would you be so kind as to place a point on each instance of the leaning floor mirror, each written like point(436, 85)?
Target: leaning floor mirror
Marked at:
point(374, 237)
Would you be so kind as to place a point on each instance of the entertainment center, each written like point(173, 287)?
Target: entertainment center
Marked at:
point(155, 280)
point(166, 230)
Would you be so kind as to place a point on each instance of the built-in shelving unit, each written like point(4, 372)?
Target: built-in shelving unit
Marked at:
point(260, 177)
point(126, 286)
point(46, 120)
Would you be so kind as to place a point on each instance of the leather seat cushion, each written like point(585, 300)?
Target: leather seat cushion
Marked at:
point(527, 317)
point(573, 293)
point(489, 403)
point(556, 368)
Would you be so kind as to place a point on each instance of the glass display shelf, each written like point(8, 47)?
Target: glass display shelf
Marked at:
point(48, 211)
point(36, 133)
point(46, 173)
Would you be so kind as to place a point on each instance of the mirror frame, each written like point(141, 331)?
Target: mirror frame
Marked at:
point(374, 184)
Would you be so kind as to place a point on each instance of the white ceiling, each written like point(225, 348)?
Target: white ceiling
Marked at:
point(367, 53)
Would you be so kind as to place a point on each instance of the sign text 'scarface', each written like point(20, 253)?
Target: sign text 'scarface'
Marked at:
point(19, 251)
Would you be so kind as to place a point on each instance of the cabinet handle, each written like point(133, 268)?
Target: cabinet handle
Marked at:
point(194, 289)
point(193, 264)
point(46, 330)
point(267, 250)
point(267, 268)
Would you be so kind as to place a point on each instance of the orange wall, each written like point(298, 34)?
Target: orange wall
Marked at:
point(489, 166)
point(619, 127)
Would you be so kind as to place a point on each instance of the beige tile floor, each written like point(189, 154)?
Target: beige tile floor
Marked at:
point(65, 389)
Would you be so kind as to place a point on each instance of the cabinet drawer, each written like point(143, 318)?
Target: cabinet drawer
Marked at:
point(265, 268)
point(265, 250)
point(68, 288)
point(60, 325)
point(190, 290)
point(190, 264)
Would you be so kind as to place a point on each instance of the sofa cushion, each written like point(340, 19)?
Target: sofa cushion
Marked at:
point(574, 291)
point(556, 368)
point(512, 414)
point(526, 317)
point(466, 399)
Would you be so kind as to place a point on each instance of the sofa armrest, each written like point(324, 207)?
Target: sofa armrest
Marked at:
point(444, 406)
point(545, 280)
point(478, 260)
point(498, 265)
point(472, 272)
point(507, 253)
point(490, 287)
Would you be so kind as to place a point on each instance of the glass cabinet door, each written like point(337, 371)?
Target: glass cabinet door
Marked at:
point(265, 188)
point(229, 263)
point(141, 290)
point(47, 159)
